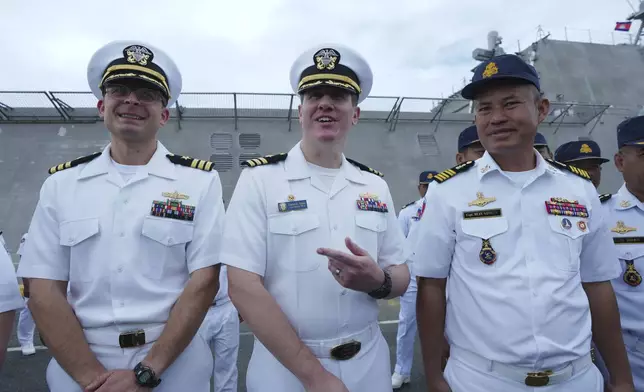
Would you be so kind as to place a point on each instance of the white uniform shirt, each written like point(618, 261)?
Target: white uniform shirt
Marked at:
point(626, 222)
point(410, 215)
point(22, 244)
point(281, 246)
point(528, 308)
point(10, 298)
point(124, 266)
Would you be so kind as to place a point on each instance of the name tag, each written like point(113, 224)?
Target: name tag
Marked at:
point(628, 240)
point(482, 214)
point(292, 205)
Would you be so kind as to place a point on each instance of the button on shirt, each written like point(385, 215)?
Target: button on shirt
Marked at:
point(281, 246)
point(528, 308)
point(626, 222)
point(124, 265)
point(10, 298)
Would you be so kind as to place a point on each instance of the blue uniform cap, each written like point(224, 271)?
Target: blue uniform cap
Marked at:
point(630, 132)
point(540, 140)
point(426, 177)
point(579, 150)
point(467, 137)
point(504, 67)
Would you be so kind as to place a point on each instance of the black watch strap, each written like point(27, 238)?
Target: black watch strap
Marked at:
point(385, 289)
point(145, 376)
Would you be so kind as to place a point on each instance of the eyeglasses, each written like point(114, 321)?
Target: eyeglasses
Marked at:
point(143, 94)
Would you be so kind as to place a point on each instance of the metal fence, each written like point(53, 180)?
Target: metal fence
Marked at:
point(80, 107)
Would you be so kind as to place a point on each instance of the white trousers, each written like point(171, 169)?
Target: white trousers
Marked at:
point(220, 329)
point(369, 371)
point(407, 329)
point(190, 371)
point(462, 377)
point(26, 326)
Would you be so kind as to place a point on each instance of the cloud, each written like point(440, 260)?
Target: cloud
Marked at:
point(417, 48)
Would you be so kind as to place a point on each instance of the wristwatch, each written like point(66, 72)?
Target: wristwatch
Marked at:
point(145, 376)
point(384, 290)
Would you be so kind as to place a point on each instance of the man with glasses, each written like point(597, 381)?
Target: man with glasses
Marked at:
point(135, 231)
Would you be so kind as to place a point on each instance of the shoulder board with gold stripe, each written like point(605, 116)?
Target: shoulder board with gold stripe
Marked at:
point(407, 205)
point(449, 173)
point(72, 163)
point(265, 160)
point(574, 170)
point(191, 162)
point(605, 197)
point(365, 167)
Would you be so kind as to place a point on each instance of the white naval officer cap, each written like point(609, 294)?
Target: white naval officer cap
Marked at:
point(332, 65)
point(134, 60)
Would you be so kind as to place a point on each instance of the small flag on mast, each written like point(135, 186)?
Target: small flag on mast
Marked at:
point(623, 26)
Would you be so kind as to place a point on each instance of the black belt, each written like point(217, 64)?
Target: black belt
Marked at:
point(346, 351)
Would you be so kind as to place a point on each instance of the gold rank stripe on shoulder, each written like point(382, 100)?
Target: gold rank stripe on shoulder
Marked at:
point(265, 160)
point(73, 163)
point(574, 170)
point(449, 173)
point(407, 205)
point(191, 162)
point(365, 167)
point(605, 197)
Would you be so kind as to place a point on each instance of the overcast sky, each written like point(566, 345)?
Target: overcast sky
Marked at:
point(415, 47)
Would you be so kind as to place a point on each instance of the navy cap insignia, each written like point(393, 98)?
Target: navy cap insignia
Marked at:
point(621, 228)
point(481, 201)
point(631, 276)
point(138, 54)
point(487, 255)
point(326, 58)
point(585, 149)
point(490, 70)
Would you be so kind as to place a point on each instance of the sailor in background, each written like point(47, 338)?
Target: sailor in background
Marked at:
point(26, 326)
point(10, 298)
point(541, 145)
point(408, 217)
point(626, 221)
point(220, 329)
point(525, 244)
point(585, 155)
point(469, 146)
point(135, 230)
point(312, 242)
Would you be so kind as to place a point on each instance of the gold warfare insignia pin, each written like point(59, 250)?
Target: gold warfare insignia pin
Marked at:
point(621, 228)
point(137, 54)
point(291, 197)
point(490, 70)
point(175, 195)
point(631, 276)
point(624, 203)
point(326, 59)
point(487, 255)
point(585, 149)
point(481, 201)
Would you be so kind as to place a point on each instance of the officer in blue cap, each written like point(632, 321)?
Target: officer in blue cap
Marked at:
point(408, 217)
point(626, 217)
point(541, 145)
point(469, 146)
point(584, 154)
point(522, 241)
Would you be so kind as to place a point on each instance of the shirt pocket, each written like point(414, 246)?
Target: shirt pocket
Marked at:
point(292, 241)
point(369, 227)
point(164, 246)
point(478, 230)
point(81, 237)
point(566, 244)
point(628, 254)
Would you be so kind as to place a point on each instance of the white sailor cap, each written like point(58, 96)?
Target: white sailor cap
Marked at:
point(332, 65)
point(134, 60)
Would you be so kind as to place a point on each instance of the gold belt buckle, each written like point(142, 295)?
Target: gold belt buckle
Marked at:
point(132, 339)
point(538, 379)
point(346, 351)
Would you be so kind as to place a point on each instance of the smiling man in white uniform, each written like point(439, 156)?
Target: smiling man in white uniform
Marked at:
point(135, 230)
point(526, 247)
point(312, 242)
